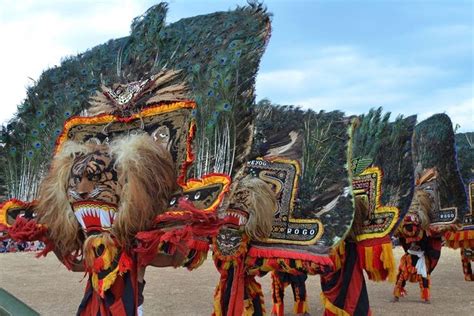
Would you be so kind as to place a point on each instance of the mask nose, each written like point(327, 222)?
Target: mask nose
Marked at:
point(83, 195)
point(84, 188)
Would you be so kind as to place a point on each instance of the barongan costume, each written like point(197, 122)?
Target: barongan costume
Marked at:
point(313, 213)
point(422, 247)
point(382, 186)
point(111, 178)
point(438, 205)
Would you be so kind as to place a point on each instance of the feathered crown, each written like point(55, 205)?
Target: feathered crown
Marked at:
point(126, 98)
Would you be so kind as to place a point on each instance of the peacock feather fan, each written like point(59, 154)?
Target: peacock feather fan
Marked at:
point(319, 141)
point(385, 145)
point(434, 147)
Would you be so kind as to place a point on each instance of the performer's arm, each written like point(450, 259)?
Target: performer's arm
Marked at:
point(73, 265)
point(164, 260)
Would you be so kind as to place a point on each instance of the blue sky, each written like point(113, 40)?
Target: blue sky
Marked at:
point(411, 57)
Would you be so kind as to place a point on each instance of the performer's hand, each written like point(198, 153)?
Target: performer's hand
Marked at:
point(73, 265)
point(179, 257)
point(164, 260)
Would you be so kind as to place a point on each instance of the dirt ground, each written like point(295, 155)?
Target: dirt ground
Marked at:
point(49, 288)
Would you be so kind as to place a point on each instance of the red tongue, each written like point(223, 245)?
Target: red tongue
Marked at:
point(92, 223)
point(231, 220)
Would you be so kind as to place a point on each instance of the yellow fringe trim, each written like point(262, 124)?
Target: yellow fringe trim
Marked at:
point(369, 257)
point(305, 310)
point(217, 301)
point(332, 308)
point(109, 118)
point(388, 260)
point(336, 254)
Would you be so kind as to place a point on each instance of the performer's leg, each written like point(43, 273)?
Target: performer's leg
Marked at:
point(298, 285)
point(279, 283)
point(425, 288)
point(141, 287)
point(466, 266)
point(399, 290)
point(254, 304)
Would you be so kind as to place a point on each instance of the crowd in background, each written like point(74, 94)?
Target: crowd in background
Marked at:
point(9, 245)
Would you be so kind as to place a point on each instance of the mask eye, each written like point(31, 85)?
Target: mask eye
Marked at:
point(76, 180)
point(173, 201)
point(94, 177)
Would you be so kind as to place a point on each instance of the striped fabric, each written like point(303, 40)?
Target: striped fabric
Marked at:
point(121, 299)
point(344, 291)
point(280, 281)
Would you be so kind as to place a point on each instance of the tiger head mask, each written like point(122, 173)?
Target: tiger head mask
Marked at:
point(250, 210)
point(117, 188)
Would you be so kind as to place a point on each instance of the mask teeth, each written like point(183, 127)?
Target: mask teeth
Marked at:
point(242, 220)
point(79, 215)
point(104, 218)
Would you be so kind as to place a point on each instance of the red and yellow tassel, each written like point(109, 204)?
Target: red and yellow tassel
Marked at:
point(459, 239)
point(376, 258)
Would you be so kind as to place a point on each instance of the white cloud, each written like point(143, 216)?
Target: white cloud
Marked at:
point(445, 43)
point(36, 35)
point(341, 77)
point(462, 114)
point(457, 102)
point(291, 79)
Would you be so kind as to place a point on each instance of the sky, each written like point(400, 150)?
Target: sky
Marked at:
point(410, 57)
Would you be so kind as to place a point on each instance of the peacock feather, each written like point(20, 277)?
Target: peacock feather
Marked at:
point(465, 158)
point(371, 130)
point(465, 155)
